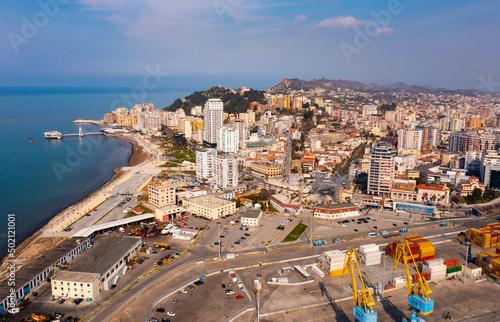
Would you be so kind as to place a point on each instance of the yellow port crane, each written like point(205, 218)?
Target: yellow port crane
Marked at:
point(418, 294)
point(363, 300)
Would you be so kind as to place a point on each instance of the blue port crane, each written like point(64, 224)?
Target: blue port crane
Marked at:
point(363, 300)
point(418, 294)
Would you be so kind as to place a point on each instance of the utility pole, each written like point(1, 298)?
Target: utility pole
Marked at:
point(466, 260)
point(219, 225)
point(312, 218)
point(383, 276)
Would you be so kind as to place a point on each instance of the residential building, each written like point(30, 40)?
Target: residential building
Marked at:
point(270, 169)
point(315, 144)
point(229, 141)
point(226, 171)
point(210, 207)
point(408, 138)
point(251, 218)
point(285, 204)
point(382, 168)
point(488, 159)
point(161, 194)
point(214, 116)
point(369, 110)
point(464, 142)
point(336, 211)
point(205, 164)
point(491, 174)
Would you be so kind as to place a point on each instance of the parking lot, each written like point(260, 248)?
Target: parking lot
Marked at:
point(206, 302)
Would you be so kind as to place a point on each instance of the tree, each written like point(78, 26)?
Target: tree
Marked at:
point(476, 195)
point(489, 208)
point(419, 180)
point(426, 195)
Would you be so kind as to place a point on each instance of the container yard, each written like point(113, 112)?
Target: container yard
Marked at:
point(485, 237)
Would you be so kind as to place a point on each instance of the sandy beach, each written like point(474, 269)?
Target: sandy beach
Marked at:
point(35, 245)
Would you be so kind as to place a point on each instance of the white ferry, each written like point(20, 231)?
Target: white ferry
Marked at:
point(53, 135)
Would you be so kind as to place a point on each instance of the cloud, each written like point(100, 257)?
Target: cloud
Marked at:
point(299, 19)
point(342, 22)
point(384, 30)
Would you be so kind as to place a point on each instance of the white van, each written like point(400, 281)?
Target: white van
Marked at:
point(121, 229)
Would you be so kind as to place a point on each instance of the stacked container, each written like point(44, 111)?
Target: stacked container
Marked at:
point(425, 275)
point(399, 282)
point(490, 262)
point(486, 237)
point(332, 262)
point(420, 248)
point(369, 254)
point(450, 262)
point(436, 268)
point(426, 250)
point(453, 270)
point(414, 251)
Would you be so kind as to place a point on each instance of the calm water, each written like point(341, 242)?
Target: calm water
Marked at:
point(39, 180)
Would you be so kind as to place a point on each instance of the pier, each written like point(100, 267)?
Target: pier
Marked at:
point(59, 135)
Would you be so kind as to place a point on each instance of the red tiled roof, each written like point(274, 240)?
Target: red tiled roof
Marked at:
point(440, 188)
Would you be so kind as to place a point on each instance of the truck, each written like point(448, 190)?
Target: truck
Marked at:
point(384, 233)
point(403, 230)
point(337, 240)
point(373, 234)
point(233, 277)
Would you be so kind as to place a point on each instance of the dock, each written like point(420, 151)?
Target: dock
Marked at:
point(59, 135)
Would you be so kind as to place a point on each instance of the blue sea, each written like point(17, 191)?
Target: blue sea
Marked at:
point(42, 178)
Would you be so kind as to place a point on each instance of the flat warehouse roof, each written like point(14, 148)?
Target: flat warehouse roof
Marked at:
point(107, 250)
point(77, 277)
point(23, 276)
point(209, 201)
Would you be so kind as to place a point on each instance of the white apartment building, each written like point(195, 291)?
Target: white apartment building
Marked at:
point(229, 141)
point(408, 138)
point(161, 194)
point(205, 164)
point(226, 171)
point(315, 144)
point(369, 110)
point(382, 168)
point(214, 117)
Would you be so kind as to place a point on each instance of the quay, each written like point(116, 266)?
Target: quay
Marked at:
point(59, 135)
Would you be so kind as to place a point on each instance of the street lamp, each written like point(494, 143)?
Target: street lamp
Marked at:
point(383, 275)
point(219, 225)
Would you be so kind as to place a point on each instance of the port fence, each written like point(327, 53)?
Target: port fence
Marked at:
point(139, 279)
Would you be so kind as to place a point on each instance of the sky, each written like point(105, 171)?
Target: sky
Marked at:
point(253, 43)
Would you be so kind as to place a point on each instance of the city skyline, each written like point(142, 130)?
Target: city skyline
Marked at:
point(236, 43)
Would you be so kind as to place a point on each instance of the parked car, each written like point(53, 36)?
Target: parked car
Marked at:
point(198, 283)
point(113, 287)
point(229, 292)
point(78, 301)
point(247, 234)
point(170, 313)
point(176, 301)
point(223, 285)
point(191, 286)
point(184, 291)
point(153, 319)
point(229, 284)
point(239, 297)
point(160, 309)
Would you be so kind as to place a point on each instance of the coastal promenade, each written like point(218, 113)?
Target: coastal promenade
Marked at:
point(94, 208)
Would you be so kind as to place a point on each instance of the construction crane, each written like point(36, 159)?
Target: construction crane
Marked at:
point(363, 300)
point(418, 294)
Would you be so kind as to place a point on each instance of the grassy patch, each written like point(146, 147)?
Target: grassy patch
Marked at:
point(272, 209)
point(144, 197)
point(145, 210)
point(295, 233)
point(130, 214)
point(248, 179)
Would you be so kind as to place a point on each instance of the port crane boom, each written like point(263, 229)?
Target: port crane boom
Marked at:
point(418, 294)
point(363, 300)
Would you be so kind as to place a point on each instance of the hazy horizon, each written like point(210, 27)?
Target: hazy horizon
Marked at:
point(234, 43)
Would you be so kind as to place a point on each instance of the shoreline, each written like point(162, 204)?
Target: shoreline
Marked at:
point(25, 254)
